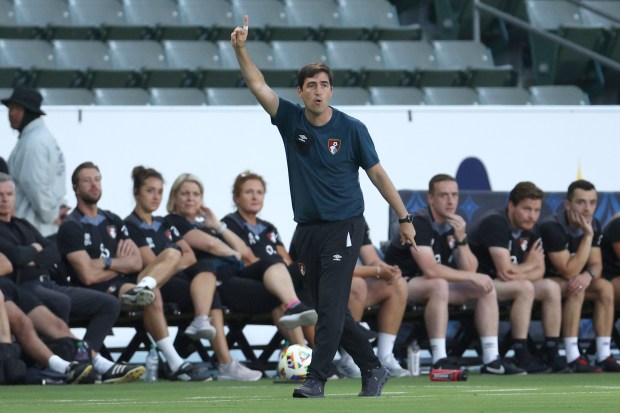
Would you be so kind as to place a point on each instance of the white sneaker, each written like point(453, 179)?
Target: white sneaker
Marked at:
point(237, 371)
point(390, 363)
point(347, 367)
point(200, 328)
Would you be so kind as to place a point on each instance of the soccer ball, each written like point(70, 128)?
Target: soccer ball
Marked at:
point(294, 362)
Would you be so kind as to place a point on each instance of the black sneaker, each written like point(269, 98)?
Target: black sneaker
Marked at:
point(183, 373)
point(582, 365)
point(532, 365)
point(141, 296)
point(502, 367)
point(78, 371)
point(610, 364)
point(373, 381)
point(370, 334)
point(558, 364)
point(298, 315)
point(311, 389)
point(122, 373)
point(445, 363)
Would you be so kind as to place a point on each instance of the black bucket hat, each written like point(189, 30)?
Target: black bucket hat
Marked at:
point(26, 97)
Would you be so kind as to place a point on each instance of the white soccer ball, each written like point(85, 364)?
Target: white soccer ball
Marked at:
point(294, 362)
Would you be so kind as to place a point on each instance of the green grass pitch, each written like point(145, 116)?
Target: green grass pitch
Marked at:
point(535, 393)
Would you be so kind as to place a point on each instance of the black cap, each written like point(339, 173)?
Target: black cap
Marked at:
point(26, 97)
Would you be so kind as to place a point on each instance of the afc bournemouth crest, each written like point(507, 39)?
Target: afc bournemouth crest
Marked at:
point(112, 231)
point(524, 244)
point(333, 145)
point(302, 268)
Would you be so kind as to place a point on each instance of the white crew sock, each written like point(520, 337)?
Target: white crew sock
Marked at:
point(490, 349)
point(438, 348)
point(385, 344)
point(102, 364)
point(166, 345)
point(603, 348)
point(57, 364)
point(148, 281)
point(572, 349)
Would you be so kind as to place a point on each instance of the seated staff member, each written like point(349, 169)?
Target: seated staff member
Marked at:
point(193, 287)
point(571, 240)
point(99, 254)
point(248, 286)
point(610, 251)
point(443, 271)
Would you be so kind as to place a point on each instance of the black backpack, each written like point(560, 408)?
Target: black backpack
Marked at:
point(12, 367)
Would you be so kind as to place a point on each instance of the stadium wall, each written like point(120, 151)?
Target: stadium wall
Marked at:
point(547, 145)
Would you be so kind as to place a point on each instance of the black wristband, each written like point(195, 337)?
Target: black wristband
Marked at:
point(407, 218)
point(462, 242)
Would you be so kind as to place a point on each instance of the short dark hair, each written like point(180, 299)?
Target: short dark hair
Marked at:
point(438, 178)
point(579, 184)
point(312, 70)
point(83, 165)
point(140, 174)
point(525, 190)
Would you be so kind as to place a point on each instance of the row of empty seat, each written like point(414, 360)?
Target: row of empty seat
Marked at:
point(196, 63)
point(202, 19)
point(536, 95)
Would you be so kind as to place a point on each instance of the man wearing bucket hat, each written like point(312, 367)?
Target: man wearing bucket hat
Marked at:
point(36, 163)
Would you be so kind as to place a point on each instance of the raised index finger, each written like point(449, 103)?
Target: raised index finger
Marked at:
point(245, 22)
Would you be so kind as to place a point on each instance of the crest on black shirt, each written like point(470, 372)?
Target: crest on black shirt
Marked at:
point(302, 268)
point(524, 244)
point(111, 231)
point(333, 145)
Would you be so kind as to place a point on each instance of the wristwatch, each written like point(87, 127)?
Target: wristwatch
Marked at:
point(463, 241)
point(592, 273)
point(408, 218)
point(107, 263)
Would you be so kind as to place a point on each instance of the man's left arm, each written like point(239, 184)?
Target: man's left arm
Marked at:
point(383, 183)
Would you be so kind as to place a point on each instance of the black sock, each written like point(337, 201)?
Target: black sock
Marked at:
point(522, 352)
point(552, 347)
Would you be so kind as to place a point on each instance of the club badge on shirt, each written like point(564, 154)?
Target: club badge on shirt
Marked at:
point(111, 231)
point(333, 145)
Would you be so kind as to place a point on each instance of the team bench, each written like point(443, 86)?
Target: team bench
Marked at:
point(472, 206)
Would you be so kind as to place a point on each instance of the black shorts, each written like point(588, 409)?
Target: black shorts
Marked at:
point(25, 300)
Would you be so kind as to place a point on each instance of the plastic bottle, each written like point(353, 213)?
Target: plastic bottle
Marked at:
point(81, 353)
point(448, 375)
point(152, 365)
point(413, 358)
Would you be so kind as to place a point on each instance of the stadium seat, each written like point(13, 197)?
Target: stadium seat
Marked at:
point(121, 97)
point(379, 19)
point(557, 64)
point(558, 95)
point(228, 96)
point(32, 62)
point(214, 15)
point(449, 96)
point(475, 61)
point(359, 63)
point(9, 29)
point(262, 55)
point(177, 96)
point(347, 96)
point(163, 17)
point(109, 17)
point(611, 48)
point(203, 59)
point(67, 96)
point(322, 20)
point(502, 96)
point(396, 96)
point(418, 59)
point(48, 19)
point(268, 20)
point(147, 58)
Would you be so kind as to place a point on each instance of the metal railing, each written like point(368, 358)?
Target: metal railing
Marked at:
point(479, 6)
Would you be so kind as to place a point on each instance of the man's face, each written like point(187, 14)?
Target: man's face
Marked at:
point(444, 199)
point(7, 199)
point(525, 214)
point(583, 203)
point(88, 189)
point(316, 93)
point(16, 115)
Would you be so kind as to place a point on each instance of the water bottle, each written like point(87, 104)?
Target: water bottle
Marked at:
point(413, 358)
point(152, 365)
point(448, 375)
point(81, 353)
